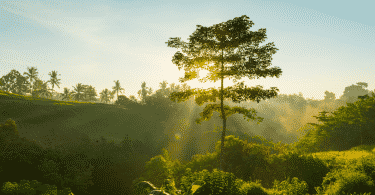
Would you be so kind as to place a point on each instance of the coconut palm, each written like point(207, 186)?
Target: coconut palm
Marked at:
point(32, 75)
point(104, 95)
point(117, 87)
point(78, 91)
point(54, 81)
point(66, 94)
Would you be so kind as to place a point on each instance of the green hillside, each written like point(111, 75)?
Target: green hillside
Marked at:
point(74, 159)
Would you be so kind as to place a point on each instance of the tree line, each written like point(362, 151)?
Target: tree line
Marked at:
point(29, 83)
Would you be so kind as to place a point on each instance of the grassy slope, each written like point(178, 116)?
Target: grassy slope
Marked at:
point(12, 104)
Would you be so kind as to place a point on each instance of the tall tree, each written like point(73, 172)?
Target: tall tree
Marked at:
point(78, 91)
point(144, 91)
point(54, 80)
point(229, 42)
point(32, 75)
point(117, 87)
point(104, 95)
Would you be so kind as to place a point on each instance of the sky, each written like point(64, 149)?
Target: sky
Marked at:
point(323, 45)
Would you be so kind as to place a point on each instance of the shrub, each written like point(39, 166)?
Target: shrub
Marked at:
point(253, 189)
point(33, 188)
point(367, 148)
point(169, 186)
point(295, 187)
point(157, 170)
point(217, 182)
point(348, 181)
point(306, 168)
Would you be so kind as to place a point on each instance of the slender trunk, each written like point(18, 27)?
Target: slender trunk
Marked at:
point(223, 114)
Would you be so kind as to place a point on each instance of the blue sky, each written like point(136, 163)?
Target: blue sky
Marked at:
point(323, 45)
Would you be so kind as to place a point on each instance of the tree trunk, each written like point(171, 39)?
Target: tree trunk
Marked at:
point(223, 115)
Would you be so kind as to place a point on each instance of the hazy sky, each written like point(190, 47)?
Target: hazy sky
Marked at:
point(323, 45)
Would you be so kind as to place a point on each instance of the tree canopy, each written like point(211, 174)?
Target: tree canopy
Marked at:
point(225, 43)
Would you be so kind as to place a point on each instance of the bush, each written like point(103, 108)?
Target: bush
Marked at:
point(253, 189)
point(306, 168)
point(217, 182)
point(350, 182)
point(295, 187)
point(169, 186)
point(32, 188)
point(367, 148)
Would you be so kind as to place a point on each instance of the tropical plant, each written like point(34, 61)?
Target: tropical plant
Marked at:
point(143, 92)
point(32, 75)
point(163, 91)
point(54, 81)
point(40, 88)
point(104, 95)
point(111, 95)
point(67, 94)
point(217, 44)
point(117, 87)
point(78, 91)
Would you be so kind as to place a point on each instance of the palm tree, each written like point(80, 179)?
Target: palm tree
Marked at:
point(66, 94)
point(117, 87)
point(41, 88)
point(54, 81)
point(85, 92)
point(78, 91)
point(111, 95)
point(104, 95)
point(32, 75)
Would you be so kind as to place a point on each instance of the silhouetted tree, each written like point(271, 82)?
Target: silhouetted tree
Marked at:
point(329, 97)
point(32, 75)
point(111, 95)
point(143, 92)
point(104, 95)
point(163, 91)
point(40, 88)
point(78, 92)
point(54, 80)
point(14, 82)
point(117, 87)
point(67, 94)
point(91, 93)
point(229, 42)
point(352, 92)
